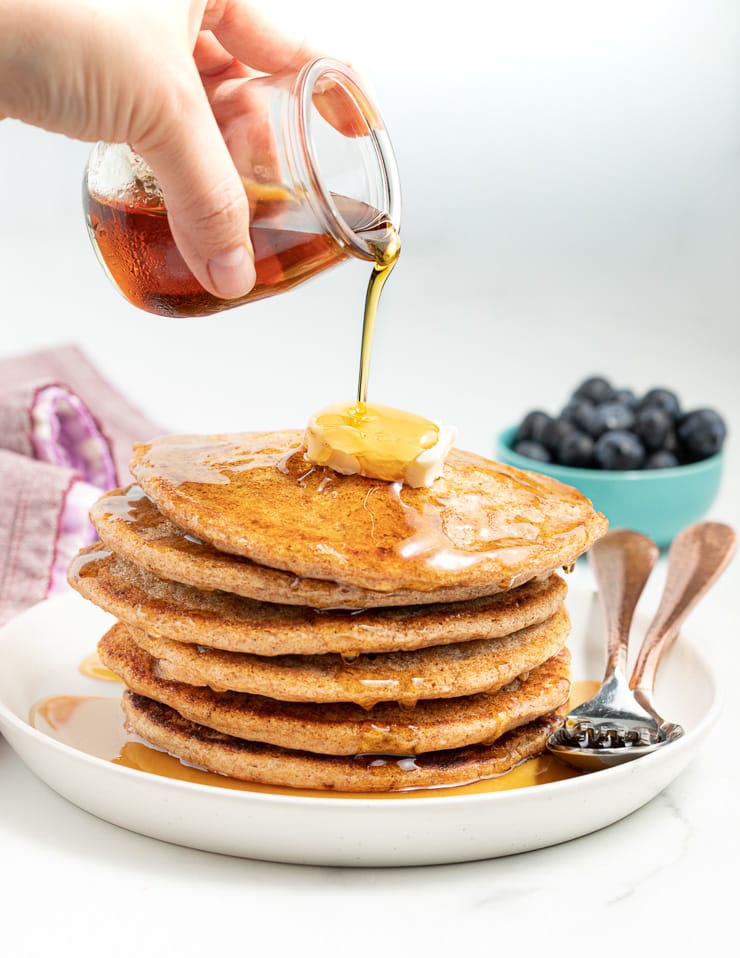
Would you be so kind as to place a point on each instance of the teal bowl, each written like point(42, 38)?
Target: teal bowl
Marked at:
point(657, 502)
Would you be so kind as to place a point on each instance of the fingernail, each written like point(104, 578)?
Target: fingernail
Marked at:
point(232, 273)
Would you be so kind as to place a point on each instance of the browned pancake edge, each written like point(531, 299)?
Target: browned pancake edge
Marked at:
point(162, 727)
point(343, 728)
point(223, 621)
point(256, 495)
point(447, 671)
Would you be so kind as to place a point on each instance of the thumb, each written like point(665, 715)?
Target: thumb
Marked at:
point(207, 205)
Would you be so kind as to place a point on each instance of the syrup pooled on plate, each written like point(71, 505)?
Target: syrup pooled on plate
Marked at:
point(93, 668)
point(94, 725)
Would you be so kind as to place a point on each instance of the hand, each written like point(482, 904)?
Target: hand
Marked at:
point(159, 75)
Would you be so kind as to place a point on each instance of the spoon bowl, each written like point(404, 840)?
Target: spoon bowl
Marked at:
point(612, 745)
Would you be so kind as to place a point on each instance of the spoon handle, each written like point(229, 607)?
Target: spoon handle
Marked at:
point(622, 562)
point(696, 559)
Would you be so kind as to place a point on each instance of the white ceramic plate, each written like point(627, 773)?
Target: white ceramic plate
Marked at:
point(39, 656)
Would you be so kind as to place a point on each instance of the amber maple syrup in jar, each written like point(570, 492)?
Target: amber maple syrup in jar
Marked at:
point(320, 176)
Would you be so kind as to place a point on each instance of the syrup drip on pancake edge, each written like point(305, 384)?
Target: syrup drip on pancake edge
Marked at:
point(94, 724)
point(220, 472)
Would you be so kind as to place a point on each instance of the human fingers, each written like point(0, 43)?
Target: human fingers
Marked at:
point(240, 34)
point(252, 38)
point(241, 108)
point(207, 207)
point(215, 63)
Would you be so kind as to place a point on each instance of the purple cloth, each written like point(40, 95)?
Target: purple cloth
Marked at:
point(65, 436)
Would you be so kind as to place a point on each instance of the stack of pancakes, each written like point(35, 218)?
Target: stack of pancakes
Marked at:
point(287, 625)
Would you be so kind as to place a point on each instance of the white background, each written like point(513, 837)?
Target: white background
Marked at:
point(571, 180)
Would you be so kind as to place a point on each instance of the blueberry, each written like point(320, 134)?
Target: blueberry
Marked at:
point(603, 427)
point(654, 426)
point(627, 397)
point(532, 450)
point(580, 413)
point(664, 399)
point(595, 388)
point(619, 449)
point(530, 425)
point(576, 449)
point(554, 432)
point(701, 433)
point(662, 459)
point(670, 443)
point(610, 416)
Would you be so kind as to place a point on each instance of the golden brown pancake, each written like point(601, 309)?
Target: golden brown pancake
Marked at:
point(233, 623)
point(255, 495)
point(268, 765)
point(346, 729)
point(129, 524)
point(466, 668)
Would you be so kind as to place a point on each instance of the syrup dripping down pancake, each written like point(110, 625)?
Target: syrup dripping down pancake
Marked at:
point(256, 495)
point(448, 671)
point(130, 525)
point(239, 563)
point(268, 765)
point(236, 624)
point(346, 729)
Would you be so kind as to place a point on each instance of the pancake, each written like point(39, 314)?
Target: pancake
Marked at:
point(233, 623)
point(480, 665)
point(481, 524)
point(129, 524)
point(346, 729)
point(267, 765)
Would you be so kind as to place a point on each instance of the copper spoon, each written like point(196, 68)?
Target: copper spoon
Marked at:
point(620, 723)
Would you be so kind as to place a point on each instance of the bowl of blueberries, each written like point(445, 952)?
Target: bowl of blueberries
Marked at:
point(643, 460)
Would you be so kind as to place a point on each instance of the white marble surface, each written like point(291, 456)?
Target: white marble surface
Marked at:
point(628, 265)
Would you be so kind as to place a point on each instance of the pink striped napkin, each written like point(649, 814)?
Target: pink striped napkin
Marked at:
point(65, 435)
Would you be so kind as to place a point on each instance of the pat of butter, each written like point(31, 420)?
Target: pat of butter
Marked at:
point(379, 442)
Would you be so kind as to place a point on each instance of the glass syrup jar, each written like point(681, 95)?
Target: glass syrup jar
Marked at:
point(320, 175)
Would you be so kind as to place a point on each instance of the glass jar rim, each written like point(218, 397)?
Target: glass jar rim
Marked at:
point(334, 223)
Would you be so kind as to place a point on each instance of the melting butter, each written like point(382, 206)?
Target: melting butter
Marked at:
point(369, 439)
